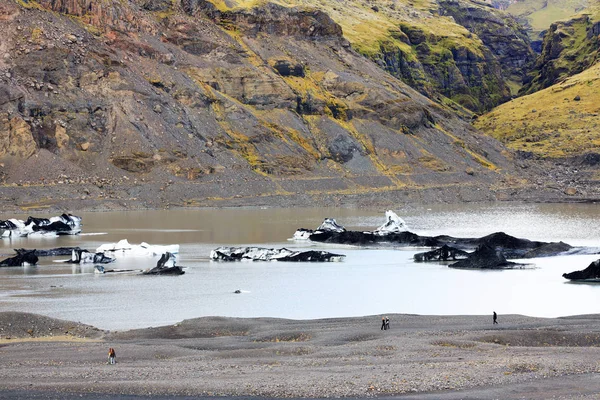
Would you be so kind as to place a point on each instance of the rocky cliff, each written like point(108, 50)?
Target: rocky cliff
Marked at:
point(569, 47)
point(154, 103)
point(504, 38)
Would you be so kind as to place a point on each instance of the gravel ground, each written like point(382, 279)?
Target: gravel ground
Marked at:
point(266, 357)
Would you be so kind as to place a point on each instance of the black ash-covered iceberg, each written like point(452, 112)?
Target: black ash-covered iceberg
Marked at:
point(394, 232)
point(487, 257)
point(81, 256)
point(165, 266)
point(328, 225)
point(444, 253)
point(58, 251)
point(393, 224)
point(590, 274)
point(22, 259)
point(65, 224)
point(264, 254)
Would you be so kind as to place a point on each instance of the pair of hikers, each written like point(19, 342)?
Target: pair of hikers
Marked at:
point(385, 323)
point(112, 356)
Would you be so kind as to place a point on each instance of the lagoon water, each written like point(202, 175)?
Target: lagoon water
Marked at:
point(369, 281)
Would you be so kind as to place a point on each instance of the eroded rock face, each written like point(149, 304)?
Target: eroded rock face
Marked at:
point(501, 33)
point(474, 75)
point(160, 92)
point(101, 14)
point(16, 138)
point(278, 20)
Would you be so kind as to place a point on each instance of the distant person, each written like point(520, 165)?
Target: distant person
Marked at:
point(387, 323)
point(383, 323)
point(112, 356)
point(495, 317)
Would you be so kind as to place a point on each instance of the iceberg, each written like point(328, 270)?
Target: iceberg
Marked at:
point(81, 256)
point(124, 249)
point(165, 266)
point(264, 254)
point(65, 224)
point(328, 225)
point(393, 224)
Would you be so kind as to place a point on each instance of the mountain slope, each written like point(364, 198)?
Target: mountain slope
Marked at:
point(161, 103)
point(449, 49)
point(558, 122)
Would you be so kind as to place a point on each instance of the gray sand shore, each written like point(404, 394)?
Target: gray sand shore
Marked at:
point(419, 356)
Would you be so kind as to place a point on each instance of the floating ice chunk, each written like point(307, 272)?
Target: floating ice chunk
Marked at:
point(264, 254)
point(330, 224)
point(302, 234)
point(124, 249)
point(393, 224)
point(65, 224)
point(80, 256)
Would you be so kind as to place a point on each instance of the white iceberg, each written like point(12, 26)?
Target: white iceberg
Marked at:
point(124, 249)
point(393, 224)
point(328, 225)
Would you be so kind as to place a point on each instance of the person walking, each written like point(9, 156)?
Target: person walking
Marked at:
point(387, 323)
point(382, 323)
point(495, 318)
point(112, 356)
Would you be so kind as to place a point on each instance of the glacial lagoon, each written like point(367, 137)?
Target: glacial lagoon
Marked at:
point(369, 281)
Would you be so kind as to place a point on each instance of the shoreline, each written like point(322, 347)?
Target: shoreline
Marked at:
point(23, 198)
point(333, 357)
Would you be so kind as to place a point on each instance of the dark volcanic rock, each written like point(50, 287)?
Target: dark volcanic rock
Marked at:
point(500, 32)
point(444, 253)
point(591, 273)
point(485, 257)
point(285, 68)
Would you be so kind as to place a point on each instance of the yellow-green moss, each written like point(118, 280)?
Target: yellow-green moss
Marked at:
point(551, 123)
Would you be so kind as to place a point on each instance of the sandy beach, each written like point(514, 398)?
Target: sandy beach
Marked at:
point(419, 356)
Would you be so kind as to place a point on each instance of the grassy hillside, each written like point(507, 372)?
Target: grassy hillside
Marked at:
point(562, 120)
point(541, 13)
